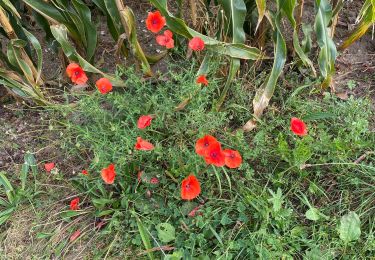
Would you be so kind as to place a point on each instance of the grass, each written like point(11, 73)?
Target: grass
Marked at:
point(285, 201)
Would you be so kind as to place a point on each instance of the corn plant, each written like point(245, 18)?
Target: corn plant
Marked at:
point(76, 16)
point(365, 20)
point(20, 76)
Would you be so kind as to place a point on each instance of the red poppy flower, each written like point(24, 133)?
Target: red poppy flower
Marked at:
point(204, 144)
point(49, 166)
point(233, 158)
point(109, 174)
point(143, 145)
point(85, 172)
point(104, 85)
point(74, 204)
point(190, 188)
point(155, 21)
point(202, 80)
point(144, 121)
point(75, 235)
point(154, 180)
point(298, 126)
point(166, 39)
point(215, 155)
point(196, 44)
point(76, 74)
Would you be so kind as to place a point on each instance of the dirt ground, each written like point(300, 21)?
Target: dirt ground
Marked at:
point(24, 129)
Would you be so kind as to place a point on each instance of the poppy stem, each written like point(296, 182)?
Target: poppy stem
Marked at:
point(171, 176)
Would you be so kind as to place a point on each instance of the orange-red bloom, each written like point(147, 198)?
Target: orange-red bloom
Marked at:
point(74, 204)
point(76, 74)
point(202, 80)
point(143, 145)
point(190, 188)
point(104, 85)
point(75, 235)
point(215, 155)
point(298, 126)
point(109, 174)
point(155, 21)
point(144, 121)
point(196, 44)
point(154, 180)
point(233, 158)
point(166, 39)
point(85, 172)
point(49, 166)
point(204, 144)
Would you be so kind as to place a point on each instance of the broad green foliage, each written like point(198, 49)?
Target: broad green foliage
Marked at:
point(60, 34)
point(76, 16)
point(166, 232)
point(328, 53)
point(18, 72)
point(350, 227)
point(366, 19)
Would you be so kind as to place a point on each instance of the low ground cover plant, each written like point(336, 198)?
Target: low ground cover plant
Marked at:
point(289, 190)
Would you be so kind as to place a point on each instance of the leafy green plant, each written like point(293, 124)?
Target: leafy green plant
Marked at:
point(76, 16)
point(12, 197)
point(18, 73)
point(365, 20)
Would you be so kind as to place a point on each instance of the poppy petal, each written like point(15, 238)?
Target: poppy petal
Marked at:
point(196, 44)
point(298, 127)
point(108, 174)
point(104, 85)
point(49, 166)
point(144, 121)
point(155, 21)
point(190, 188)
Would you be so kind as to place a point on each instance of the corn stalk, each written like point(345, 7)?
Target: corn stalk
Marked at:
point(265, 93)
point(129, 24)
point(328, 53)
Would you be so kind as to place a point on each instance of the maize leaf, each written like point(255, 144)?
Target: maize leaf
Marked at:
point(60, 34)
point(177, 25)
point(328, 53)
point(264, 95)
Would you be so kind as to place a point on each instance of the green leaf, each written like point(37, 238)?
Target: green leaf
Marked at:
point(276, 200)
point(287, 6)
point(350, 227)
point(89, 28)
point(313, 214)
point(235, 12)
point(367, 19)
point(261, 6)
point(145, 237)
point(129, 23)
point(328, 53)
point(264, 94)
point(66, 215)
point(166, 232)
point(60, 34)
